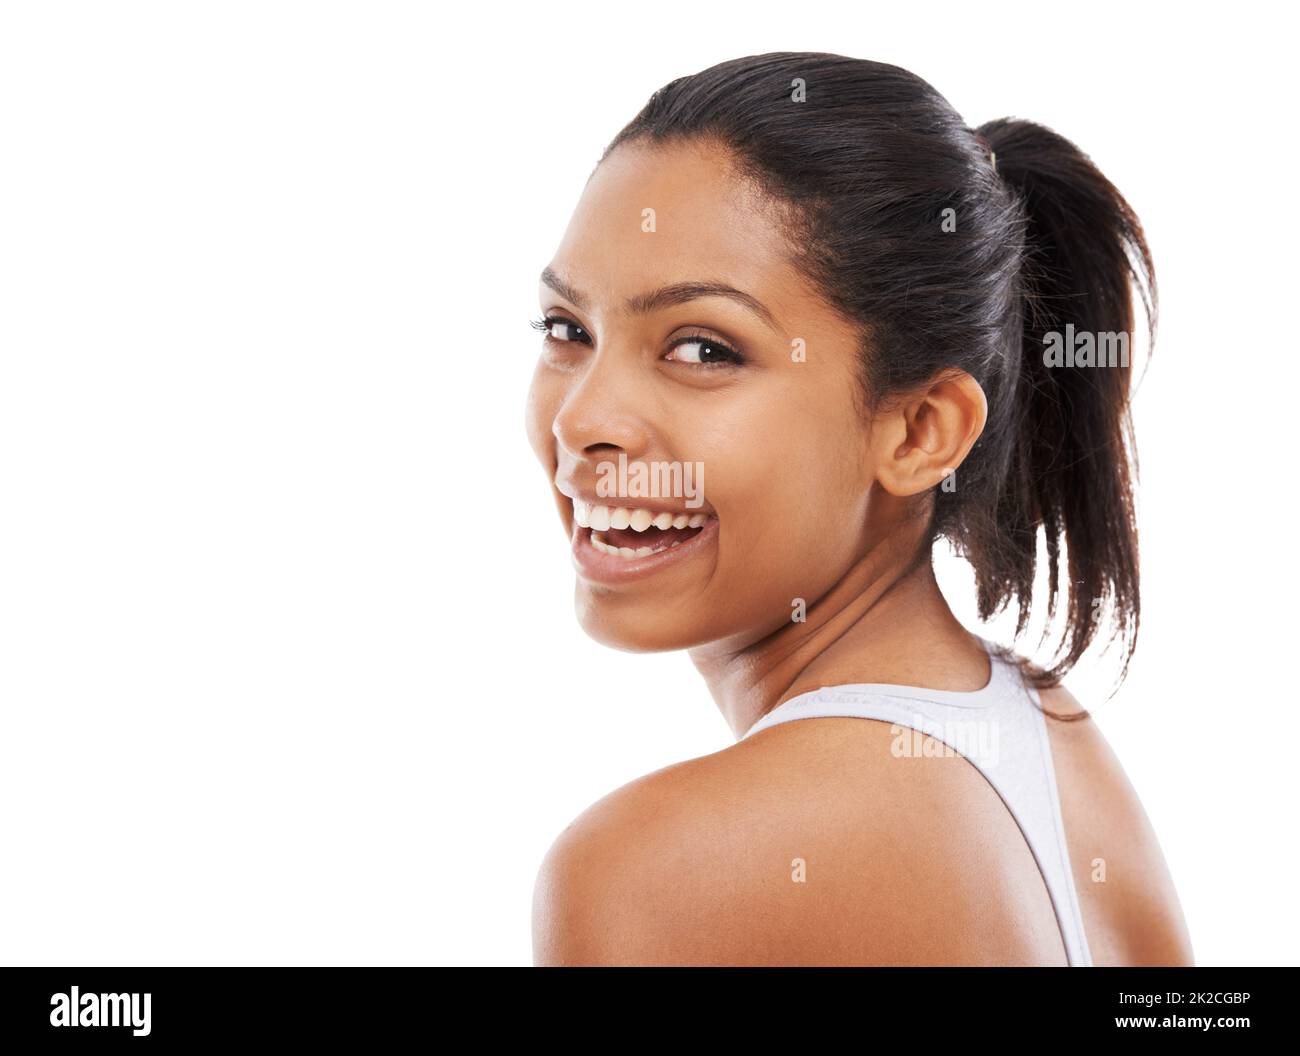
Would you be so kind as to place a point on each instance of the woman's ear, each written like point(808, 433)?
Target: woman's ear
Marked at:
point(923, 438)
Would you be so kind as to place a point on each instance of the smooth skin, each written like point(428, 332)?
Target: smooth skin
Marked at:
point(907, 861)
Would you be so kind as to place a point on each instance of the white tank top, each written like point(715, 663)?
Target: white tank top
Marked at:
point(1001, 730)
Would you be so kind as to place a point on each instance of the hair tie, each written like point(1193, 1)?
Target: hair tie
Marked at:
point(988, 149)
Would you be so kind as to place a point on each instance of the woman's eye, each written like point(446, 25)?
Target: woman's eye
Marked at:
point(696, 350)
point(557, 328)
point(704, 351)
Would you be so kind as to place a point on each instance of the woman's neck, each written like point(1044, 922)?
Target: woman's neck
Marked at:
point(885, 621)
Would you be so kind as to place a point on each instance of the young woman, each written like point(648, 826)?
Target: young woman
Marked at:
point(805, 322)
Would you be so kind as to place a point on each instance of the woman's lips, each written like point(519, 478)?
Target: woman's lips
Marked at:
point(599, 557)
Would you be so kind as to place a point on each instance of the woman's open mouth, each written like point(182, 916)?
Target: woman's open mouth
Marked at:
point(623, 542)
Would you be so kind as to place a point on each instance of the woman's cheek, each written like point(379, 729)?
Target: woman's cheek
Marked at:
point(543, 403)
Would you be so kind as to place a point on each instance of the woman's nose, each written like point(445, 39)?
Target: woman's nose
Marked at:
point(600, 415)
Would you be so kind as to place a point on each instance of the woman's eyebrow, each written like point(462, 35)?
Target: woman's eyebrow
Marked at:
point(676, 293)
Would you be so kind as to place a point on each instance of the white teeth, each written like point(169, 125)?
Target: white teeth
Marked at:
point(603, 518)
point(626, 552)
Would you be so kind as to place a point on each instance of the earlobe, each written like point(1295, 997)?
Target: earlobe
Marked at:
point(926, 437)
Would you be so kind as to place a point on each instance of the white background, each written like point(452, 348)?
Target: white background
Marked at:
point(289, 672)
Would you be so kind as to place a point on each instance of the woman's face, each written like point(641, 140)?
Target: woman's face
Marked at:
point(653, 381)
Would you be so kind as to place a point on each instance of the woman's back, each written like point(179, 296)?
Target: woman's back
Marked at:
point(1014, 736)
point(815, 842)
point(1130, 909)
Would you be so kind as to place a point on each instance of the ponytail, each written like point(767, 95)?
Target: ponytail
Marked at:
point(1069, 469)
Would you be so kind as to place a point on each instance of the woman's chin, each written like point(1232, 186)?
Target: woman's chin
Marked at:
point(631, 627)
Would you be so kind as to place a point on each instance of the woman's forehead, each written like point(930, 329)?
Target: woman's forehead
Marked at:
point(652, 216)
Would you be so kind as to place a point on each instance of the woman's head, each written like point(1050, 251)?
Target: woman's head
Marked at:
point(878, 380)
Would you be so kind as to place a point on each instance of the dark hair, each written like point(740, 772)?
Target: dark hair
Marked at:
point(872, 158)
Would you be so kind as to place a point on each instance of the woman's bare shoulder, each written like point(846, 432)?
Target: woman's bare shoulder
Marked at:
point(811, 842)
point(1132, 914)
